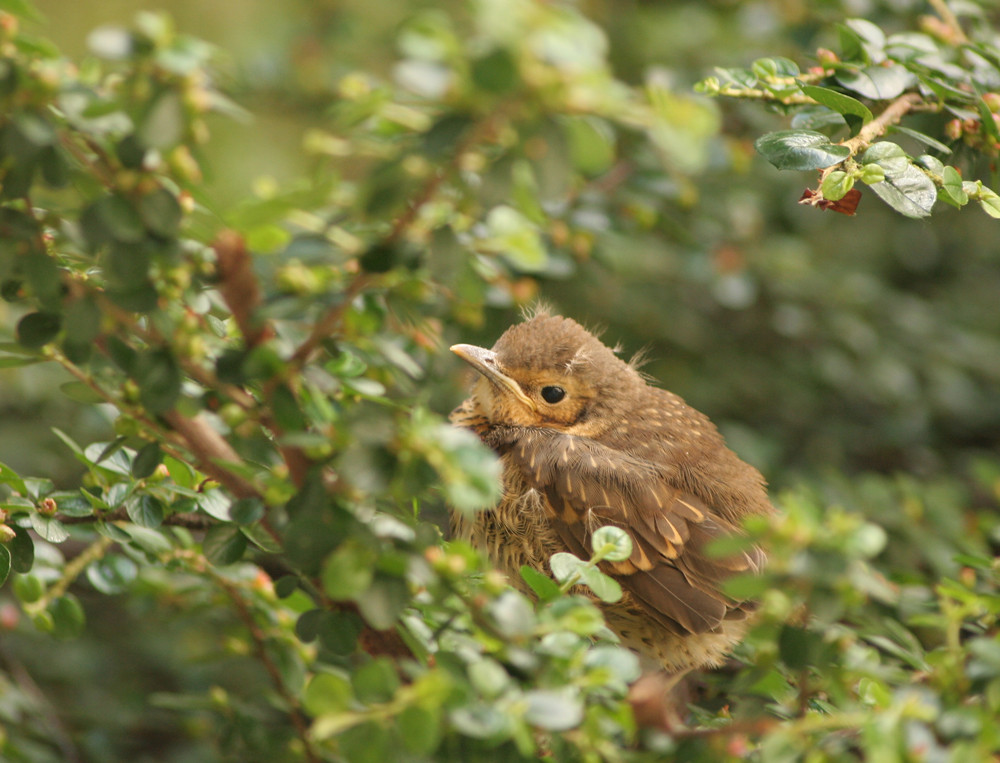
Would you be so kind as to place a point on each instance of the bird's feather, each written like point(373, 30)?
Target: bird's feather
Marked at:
point(587, 484)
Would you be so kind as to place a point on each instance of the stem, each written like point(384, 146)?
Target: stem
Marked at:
point(948, 17)
point(74, 568)
point(259, 638)
point(877, 127)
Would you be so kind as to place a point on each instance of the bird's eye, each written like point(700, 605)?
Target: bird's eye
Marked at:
point(553, 394)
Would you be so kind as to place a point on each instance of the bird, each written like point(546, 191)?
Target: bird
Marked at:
point(585, 440)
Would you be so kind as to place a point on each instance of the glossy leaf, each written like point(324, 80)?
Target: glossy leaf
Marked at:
point(36, 330)
point(800, 150)
point(855, 113)
point(877, 82)
point(224, 544)
point(49, 528)
point(67, 616)
point(146, 460)
point(159, 380)
point(146, 511)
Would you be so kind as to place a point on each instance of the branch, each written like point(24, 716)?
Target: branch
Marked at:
point(894, 112)
point(186, 519)
point(212, 451)
point(948, 17)
point(259, 638)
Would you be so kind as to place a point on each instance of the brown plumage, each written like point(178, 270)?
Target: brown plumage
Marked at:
point(586, 442)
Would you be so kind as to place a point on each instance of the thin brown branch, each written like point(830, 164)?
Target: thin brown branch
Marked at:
point(328, 324)
point(259, 638)
point(188, 520)
point(211, 450)
point(237, 283)
point(892, 113)
point(948, 17)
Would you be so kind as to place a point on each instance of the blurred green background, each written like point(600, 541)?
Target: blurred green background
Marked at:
point(819, 343)
point(815, 340)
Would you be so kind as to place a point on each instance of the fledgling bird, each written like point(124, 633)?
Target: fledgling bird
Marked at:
point(585, 442)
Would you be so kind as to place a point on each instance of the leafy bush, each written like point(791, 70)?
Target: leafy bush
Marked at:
point(275, 473)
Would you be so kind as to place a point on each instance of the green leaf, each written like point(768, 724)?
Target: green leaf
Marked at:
point(286, 411)
point(81, 392)
point(420, 729)
point(515, 237)
point(910, 192)
point(927, 140)
point(28, 588)
point(854, 112)
point(163, 125)
point(553, 710)
point(879, 83)
point(611, 544)
point(20, 361)
point(246, 511)
point(605, 588)
point(489, 677)
point(591, 144)
point(224, 544)
point(112, 574)
point(375, 682)
point(365, 743)
point(382, 257)
point(815, 117)
point(83, 321)
point(799, 648)
point(111, 218)
point(479, 721)
point(384, 601)
point(566, 566)
point(951, 187)
point(5, 563)
point(35, 330)
point(905, 188)
point(72, 504)
point(338, 632)
point(836, 185)
point(349, 570)
point(22, 550)
point(9, 477)
point(512, 614)
point(261, 538)
point(67, 616)
point(496, 72)
point(872, 173)
point(146, 460)
point(145, 511)
point(800, 150)
point(159, 379)
point(775, 66)
point(622, 663)
point(327, 693)
point(987, 121)
point(988, 200)
point(49, 528)
point(542, 585)
point(161, 213)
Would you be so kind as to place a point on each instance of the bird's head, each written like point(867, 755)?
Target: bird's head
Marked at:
point(551, 372)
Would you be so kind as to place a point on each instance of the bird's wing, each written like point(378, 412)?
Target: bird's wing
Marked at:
point(670, 571)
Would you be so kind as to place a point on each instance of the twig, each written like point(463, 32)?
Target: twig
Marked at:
point(189, 520)
point(948, 17)
point(298, 718)
point(877, 127)
point(211, 450)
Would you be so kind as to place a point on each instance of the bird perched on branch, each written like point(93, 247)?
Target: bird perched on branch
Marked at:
point(586, 442)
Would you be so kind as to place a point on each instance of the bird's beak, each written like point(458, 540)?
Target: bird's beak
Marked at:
point(485, 362)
